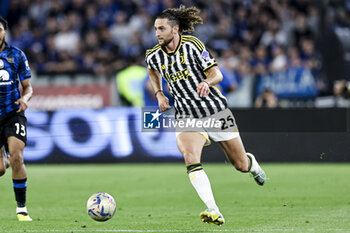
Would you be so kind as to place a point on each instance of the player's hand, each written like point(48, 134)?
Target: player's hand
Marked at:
point(23, 105)
point(203, 89)
point(163, 102)
point(341, 88)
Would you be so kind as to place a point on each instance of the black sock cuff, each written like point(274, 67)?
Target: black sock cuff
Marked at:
point(194, 167)
point(19, 181)
point(20, 184)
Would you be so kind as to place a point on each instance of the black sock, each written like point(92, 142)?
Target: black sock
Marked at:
point(194, 167)
point(20, 188)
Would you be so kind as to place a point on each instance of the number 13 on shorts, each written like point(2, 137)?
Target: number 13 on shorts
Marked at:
point(20, 129)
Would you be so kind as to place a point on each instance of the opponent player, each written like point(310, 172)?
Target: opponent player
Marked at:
point(191, 73)
point(14, 68)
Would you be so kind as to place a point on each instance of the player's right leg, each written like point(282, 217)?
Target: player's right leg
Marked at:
point(19, 177)
point(190, 145)
point(255, 169)
point(244, 162)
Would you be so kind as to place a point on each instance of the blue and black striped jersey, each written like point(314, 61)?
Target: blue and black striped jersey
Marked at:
point(14, 68)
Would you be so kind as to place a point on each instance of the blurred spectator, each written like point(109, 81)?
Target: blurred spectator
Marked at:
point(260, 60)
point(242, 96)
point(38, 11)
point(135, 47)
point(153, 7)
point(267, 99)
point(130, 83)
point(279, 60)
point(66, 33)
point(107, 10)
point(311, 60)
point(229, 81)
point(274, 36)
point(240, 23)
point(91, 18)
point(342, 88)
point(302, 30)
point(206, 30)
point(148, 37)
point(64, 63)
point(222, 37)
point(120, 30)
point(294, 82)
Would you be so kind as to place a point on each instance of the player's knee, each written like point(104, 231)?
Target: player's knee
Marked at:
point(16, 159)
point(191, 156)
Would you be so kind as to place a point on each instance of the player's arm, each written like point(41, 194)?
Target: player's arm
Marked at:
point(26, 95)
point(156, 81)
point(214, 76)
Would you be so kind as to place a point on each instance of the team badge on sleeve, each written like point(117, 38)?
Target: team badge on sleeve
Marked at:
point(205, 55)
point(27, 65)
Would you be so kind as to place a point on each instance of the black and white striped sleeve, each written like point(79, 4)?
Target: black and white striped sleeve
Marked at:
point(204, 58)
point(150, 64)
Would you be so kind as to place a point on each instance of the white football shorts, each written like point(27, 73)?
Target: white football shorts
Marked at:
point(217, 127)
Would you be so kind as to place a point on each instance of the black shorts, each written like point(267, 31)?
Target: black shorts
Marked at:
point(13, 124)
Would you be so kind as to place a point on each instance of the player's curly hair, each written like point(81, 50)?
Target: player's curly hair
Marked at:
point(182, 16)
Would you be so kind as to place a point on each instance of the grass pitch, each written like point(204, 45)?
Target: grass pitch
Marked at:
point(159, 198)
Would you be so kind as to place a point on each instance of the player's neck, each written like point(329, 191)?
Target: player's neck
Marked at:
point(173, 44)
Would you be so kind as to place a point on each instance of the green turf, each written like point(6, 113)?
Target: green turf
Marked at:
point(160, 198)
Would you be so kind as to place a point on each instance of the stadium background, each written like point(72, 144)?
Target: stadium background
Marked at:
point(280, 60)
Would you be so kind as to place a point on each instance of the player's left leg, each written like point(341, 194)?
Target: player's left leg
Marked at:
point(4, 161)
point(190, 145)
point(242, 161)
point(19, 176)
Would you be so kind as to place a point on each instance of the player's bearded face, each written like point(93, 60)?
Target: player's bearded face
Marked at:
point(164, 32)
point(166, 39)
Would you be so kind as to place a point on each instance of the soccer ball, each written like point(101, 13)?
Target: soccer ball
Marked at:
point(101, 207)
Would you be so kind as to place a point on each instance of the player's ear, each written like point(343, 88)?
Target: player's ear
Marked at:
point(176, 29)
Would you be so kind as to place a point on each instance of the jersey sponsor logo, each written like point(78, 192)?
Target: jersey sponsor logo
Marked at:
point(10, 60)
point(4, 78)
point(4, 75)
point(179, 75)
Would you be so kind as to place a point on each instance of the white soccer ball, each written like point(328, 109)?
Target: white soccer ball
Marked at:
point(101, 206)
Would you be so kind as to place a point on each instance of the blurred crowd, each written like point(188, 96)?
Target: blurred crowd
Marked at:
point(266, 49)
